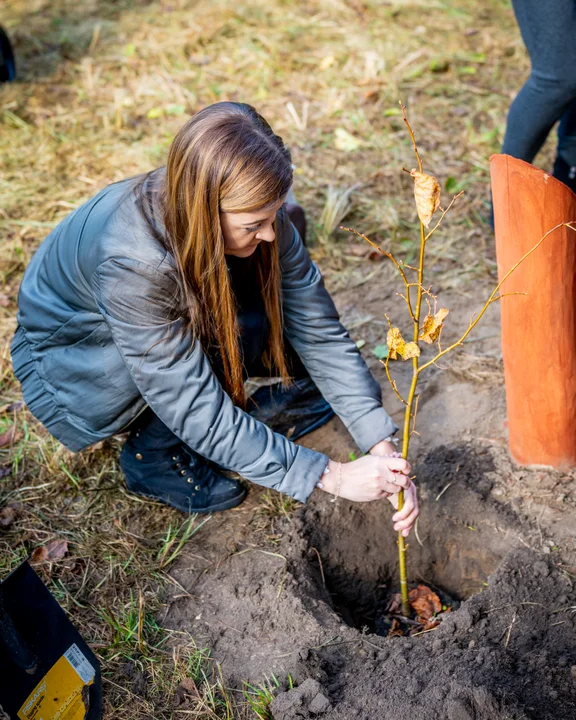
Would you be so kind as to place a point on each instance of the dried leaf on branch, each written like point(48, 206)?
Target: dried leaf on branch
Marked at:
point(398, 346)
point(426, 194)
point(433, 324)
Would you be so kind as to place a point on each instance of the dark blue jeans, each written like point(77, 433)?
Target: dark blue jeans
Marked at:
point(548, 29)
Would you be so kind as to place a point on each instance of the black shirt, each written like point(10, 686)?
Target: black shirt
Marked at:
point(252, 318)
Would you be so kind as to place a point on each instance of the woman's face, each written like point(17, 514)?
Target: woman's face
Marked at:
point(243, 232)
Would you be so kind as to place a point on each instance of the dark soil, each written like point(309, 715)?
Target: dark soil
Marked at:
point(308, 606)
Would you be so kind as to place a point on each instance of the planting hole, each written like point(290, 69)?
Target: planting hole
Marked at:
point(353, 553)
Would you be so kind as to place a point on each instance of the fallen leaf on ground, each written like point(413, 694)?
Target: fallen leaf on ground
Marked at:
point(381, 352)
point(186, 689)
point(425, 602)
point(345, 141)
point(53, 550)
point(373, 94)
point(433, 324)
point(358, 250)
point(395, 604)
point(7, 516)
point(6, 438)
point(398, 346)
point(395, 629)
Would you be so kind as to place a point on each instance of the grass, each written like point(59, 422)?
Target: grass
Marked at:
point(260, 697)
point(103, 86)
point(115, 578)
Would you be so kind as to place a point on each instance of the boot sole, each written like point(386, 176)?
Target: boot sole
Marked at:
point(226, 505)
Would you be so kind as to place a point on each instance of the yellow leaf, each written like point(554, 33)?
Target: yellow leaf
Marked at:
point(433, 324)
point(398, 346)
point(154, 113)
point(343, 140)
point(326, 62)
point(426, 194)
point(410, 351)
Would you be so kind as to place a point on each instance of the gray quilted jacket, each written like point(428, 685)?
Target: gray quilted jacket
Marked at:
point(95, 346)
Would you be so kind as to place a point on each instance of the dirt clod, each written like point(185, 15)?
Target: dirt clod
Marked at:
point(304, 701)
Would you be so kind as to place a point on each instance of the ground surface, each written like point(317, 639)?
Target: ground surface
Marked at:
point(182, 614)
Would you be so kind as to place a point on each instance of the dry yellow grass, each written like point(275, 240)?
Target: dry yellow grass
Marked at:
point(103, 86)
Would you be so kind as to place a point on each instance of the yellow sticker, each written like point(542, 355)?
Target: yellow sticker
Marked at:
point(60, 695)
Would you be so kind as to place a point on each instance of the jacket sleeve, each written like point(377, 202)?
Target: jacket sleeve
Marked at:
point(312, 325)
point(176, 379)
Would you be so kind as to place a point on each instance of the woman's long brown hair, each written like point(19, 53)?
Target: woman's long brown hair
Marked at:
point(226, 158)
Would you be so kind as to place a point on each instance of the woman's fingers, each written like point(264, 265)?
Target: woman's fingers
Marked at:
point(410, 503)
point(393, 483)
point(408, 522)
point(397, 465)
point(395, 473)
point(404, 519)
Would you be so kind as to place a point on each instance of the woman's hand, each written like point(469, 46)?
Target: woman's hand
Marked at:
point(383, 448)
point(374, 478)
point(404, 519)
point(368, 478)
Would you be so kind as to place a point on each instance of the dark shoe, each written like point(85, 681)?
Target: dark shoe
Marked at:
point(297, 218)
point(565, 173)
point(178, 477)
point(293, 411)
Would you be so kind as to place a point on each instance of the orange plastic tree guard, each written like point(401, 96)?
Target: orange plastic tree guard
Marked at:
point(539, 329)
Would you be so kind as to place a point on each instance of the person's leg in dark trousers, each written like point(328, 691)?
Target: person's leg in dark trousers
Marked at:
point(565, 165)
point(548, 28)
point(292, 411)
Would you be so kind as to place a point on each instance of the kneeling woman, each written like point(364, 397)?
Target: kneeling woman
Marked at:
point(149, 306)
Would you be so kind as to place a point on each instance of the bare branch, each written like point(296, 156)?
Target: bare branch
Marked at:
point(444, 213)
point(494, 295)
point(403, 108)
point(425, 291)
point(392, 381)
point(503, 295)
point(414, 414)
point(390, 257)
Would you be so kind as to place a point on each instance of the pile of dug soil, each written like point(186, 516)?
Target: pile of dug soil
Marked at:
point(309, 608)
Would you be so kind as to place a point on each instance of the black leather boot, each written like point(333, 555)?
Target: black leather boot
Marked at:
point(159, 466)
point(294, 411)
